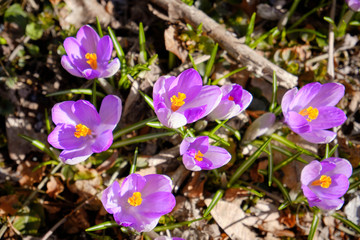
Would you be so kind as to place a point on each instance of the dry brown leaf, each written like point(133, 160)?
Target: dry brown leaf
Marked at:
point(287, 218)
point(50, 208)
point(54, 187)
point(232, 193)
point(254, 171)
point(173, 45)
point(195, 187)
point(77, 222)
point(108, 163)
point(28, 176)
point(7, 204)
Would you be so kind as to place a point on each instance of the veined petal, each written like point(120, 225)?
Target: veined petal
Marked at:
point(62, 137)
point(328, 117)
point(86, 113)
point(329, 204)
point(132, 183)
point(310, 195)
point(170, 119)
point(90, 73)
point(223, 110)
point(75, 156)
point(69, 66)
point(62, 113)
point(88, 38)
point(110, 198)
point(343, 166)
point(110, 69)
point(185, 144)
point(102, 142)
point(287, 100)
point(110, 112)
point(297, 123)
point(304, 96)
point(199, 144)
point(190, 163)
point(74, 50)
point(157, 204)
point(156, 182)
point(104, 49)
point(338, 187)
point(326, 167)
point(194, 114)
point(328, 95)
point(218, 156)
point(245, 99)
point(127, 219)
point(319, 136)
point(310, 172)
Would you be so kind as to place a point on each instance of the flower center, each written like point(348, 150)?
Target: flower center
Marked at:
point(324, 181)
point(135, 200)
point(310, 112)
point(92, 60)
point(81, 131)
point(199, 156)
point(177, 101)
point(231, 98)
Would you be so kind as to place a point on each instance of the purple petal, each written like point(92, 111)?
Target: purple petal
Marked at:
point(110, 198)
point(69, 66)
point(110, 112)
point(90, 73)
point(304, 96)
point(310, 172)
point(218, 156)
point(245, 99)
point(343, 166)
point(338, 187)
point(110, 68)
point(297, 123)
point(62, 137)
point(160, 94)
point(86, 113)
point(200, 144)
point(132, 183)
point(127, 219)
point(62, 113)
point(190, 163)
point(104, 49)
point(194, 114)
point(171, 119)
point(310, 195)
point(329, 204)
point(260, 126)
point(326, 166)
point(74, 51)
point(185, 144)
point(88, 38)
point(102, 142)
point(156, 183)
point(329, 95)
point(188, 82)
point(225, 110)
point(157, 204)
point(319, 136)
point(328, 117)
point(75, 156)
point(287, 100)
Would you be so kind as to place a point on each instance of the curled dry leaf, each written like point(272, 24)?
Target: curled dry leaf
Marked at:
point(77, 222)
point(173, 45)
point(54, 187)
point(8, 204)
point(195, 187)
point(28, 176)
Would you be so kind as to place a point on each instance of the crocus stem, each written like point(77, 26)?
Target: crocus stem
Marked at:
point(93, 95)
point(133, 165)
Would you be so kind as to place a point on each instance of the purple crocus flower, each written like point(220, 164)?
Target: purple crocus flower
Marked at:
point(198, 154)
point(311, 110)
point(140, 201)
point(354, 5)
point(81, 131)
point(234, 100)
point(88, 55)
point(323, 183)
point(183, 99)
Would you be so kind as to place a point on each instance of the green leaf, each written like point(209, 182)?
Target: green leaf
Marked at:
point(314, 225)
point(218, 195)
point(142, 138)
point(3, 41)
point(33, 49)
point(347, 222)
point(250, 29)
point(84, 175)
point(210, 64)
point(273, 103)
point(98, 237)
point(16, 14)
point(133, 127)
point(142, 42)
point(28, 221)
point(101, 226)
point(34, 31)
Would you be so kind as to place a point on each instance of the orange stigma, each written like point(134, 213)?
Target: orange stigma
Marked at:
point(231, 98)
point(92, 60)
point(310, 112)
point(177, 101)
point(199, 156)
point(324, 181)
point(81, 131)
point(135, 200)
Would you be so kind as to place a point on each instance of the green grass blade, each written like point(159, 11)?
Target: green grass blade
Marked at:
point(101, 226)
point(192, 62)
point(75, 91)
point(347, 222)
point(263, 37)
point(142, 42)
point(98, 26)
point(178, 225)
point(282, 189)
point(139, 139)
point(273, 103)
point(218, 195)
point(270, 165)
point(47, 122)
point(39, 145)
point(287, 161)
point(133, 165)
point(250, 29)
point(93, 95)
point(326, 151)
point(314, 225)
point(210, 64)
point(331, 152)
point(230, 129)
point(133, 127)
point(228, 75)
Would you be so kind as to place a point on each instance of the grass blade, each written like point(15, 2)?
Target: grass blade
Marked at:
point(133, 127)
point(218, 195)
point(142, 42)
point(210, 64)
point(250, 29)
point(314, 225)
point(273, 103)
point(142, 138)
point(101, 226)
point(133, 165)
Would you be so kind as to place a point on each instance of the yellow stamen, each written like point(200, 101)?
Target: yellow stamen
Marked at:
point(310, 112)
point(231, 98)
point(92, 60)
point(324, 181)
point(177, 101)
point(135, 200)
point(82, 131)
point(199, 156)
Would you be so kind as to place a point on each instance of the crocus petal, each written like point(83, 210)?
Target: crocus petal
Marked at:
point(74, 50)
point(319, 136)
point(111, 68)
point(218, 156)
point(190, 163)
point(310, 172)
point(171, 119)
point(62, 137)
point(200, 143)
point(70, 67)
point(185, 144)
point(86, 113)
point(102, 142)
point(88, 38)
point(297, 123)
point(329, 204)
point(127, 219)
point(90, 73)
point(62, 113)
point(245, 99)
point(343, 166)
point(132, 183)
point(310, 195)
point(157, 204)
point(328, 117)
point(326, 167)
point(161, 183)
point(223, 111)
point(287, 99)
point(110, 198)
point(160, 95)
point(304, 96)
point(338, 187)
point(328, 95)
point(262, 125)
point(110, 112)
point(104, 49)
point(75, 156)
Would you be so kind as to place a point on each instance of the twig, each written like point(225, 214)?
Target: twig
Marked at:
point(241, 52)
point(330, 67)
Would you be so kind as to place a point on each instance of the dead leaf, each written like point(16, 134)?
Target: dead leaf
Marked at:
point(287, 218)
point(28, 176)
point(54, 187)
point(7, 204)
point(108, 163)
point(254, 171)
point(195, 187)
point(77, 222)
point(232, 193)
point(50, 208)
point(173, 45)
